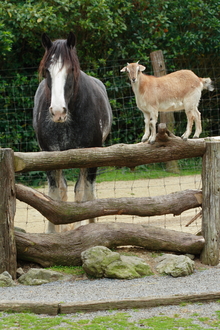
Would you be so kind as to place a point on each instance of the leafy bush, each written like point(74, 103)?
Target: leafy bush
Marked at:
point(16, 104)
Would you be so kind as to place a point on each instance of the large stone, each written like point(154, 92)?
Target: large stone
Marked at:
point(6, 280)
point(96, 259)
point(38, 276)
point(175, 265)
point(99, 262)
point(127, 268)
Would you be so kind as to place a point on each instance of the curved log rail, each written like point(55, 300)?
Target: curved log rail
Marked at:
point(59, 212)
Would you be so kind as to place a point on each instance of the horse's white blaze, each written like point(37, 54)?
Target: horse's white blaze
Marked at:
point(58, 105)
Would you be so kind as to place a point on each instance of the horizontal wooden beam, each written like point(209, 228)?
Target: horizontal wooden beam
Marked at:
point(55, 308)
point(166, 148)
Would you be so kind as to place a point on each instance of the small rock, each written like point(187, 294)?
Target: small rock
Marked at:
point(5, 273)
point(38, 276)
point(175, 265)
point(19, 272)
point(20, 229)
point(191, 256)
point(6, 280)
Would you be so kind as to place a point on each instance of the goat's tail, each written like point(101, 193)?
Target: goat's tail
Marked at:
point(207, 84)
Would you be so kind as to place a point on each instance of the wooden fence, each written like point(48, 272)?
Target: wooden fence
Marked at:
point(167, 148)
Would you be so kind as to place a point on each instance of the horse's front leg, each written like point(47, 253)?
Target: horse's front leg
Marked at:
point(85, 187)
point(57, 191)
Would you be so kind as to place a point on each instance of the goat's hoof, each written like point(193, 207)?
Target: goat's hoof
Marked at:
point(183, 138)
point(195, 137)
point(151, 142)
point(144, 140)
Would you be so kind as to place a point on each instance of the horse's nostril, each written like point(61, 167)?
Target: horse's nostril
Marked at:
point(64, 110)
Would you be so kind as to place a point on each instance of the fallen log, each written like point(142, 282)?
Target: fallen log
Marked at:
point(66, 248)
point(59, 212)
point(166, 148)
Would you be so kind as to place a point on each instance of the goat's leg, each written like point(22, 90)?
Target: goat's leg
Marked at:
point(57, 191)
point(85, 187)
point(147, 127)
point(197, 118)
point(153, 122)
point(190, 120)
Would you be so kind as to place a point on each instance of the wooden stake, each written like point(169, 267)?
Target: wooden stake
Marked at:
point(211, 202)
point(7, 213)
point(157, 61)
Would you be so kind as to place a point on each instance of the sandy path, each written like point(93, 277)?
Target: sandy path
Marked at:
point(32, 221)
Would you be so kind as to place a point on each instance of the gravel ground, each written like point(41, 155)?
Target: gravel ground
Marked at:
point(206, 281)
point(201, 281)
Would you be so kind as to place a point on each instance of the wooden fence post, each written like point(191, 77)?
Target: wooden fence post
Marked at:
point(157, 61)
point(8, 260)
point(211, 202)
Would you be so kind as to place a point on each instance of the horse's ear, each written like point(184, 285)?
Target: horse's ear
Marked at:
point(46, 42)
point(71, 40)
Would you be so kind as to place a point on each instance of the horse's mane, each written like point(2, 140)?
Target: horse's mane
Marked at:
point(68, 55)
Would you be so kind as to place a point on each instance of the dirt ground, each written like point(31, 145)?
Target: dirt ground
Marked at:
point(32, 221)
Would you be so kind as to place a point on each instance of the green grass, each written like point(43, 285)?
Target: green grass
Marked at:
point(152, 171)
point(69, 270)
point(116, 321)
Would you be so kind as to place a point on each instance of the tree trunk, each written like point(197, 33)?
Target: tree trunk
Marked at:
point(59, 212)
point(66, 248)
point(167, 147)
point(8, 261)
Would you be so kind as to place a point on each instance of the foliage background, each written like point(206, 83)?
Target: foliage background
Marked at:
point(109, 34)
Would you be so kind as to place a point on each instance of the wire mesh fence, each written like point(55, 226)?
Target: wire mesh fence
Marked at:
point(16, 132)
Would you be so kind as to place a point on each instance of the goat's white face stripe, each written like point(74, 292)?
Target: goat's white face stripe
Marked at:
point(58, 79)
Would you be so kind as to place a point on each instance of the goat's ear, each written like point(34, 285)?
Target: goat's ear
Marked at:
point(141, 67)
point(124, 69)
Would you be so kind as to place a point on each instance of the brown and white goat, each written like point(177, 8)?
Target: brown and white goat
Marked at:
point(173, 92)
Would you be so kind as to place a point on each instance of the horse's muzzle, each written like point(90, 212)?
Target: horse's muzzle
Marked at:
point(58, 116)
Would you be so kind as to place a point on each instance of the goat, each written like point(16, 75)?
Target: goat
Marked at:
point(173, 92)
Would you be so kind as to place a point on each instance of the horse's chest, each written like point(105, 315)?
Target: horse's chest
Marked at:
point(58, 137)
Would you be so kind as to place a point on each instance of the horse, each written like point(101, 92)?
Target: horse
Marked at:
point(71, 110)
